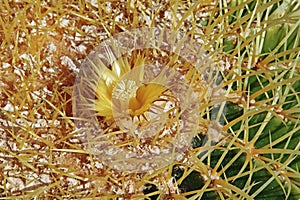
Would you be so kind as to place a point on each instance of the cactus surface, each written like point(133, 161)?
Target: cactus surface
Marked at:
point(247, 143)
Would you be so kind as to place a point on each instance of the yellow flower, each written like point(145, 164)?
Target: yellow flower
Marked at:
point(112, 85)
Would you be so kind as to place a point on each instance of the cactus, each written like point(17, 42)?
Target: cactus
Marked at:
point(244, 165)
point(247, 144)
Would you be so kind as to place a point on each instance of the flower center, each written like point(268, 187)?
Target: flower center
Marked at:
point(125, 90)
